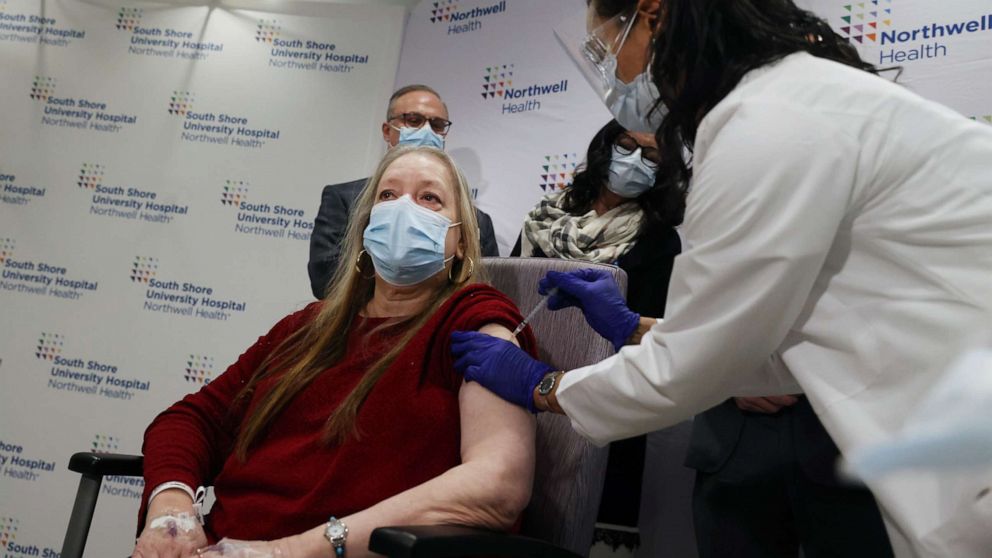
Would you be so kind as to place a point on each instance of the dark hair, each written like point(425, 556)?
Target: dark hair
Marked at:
point(702, 50)
point(411, 89)
point(611, 8)
point(591, 178)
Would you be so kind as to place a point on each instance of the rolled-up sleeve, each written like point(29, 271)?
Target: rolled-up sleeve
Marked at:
point(772, 185)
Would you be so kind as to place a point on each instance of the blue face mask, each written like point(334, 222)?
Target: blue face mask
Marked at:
point(630, 103)
point(406, 241)
point(630, 176)
point(422, 136)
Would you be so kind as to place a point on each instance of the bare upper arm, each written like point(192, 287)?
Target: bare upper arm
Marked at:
point(492, 429)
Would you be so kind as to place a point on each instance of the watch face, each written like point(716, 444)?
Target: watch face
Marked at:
point(546, 384)
point(336, 530)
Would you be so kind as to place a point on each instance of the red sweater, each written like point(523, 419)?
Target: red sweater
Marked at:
point(291, 480)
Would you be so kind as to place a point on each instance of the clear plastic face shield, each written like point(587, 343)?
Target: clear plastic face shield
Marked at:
point(594, 46)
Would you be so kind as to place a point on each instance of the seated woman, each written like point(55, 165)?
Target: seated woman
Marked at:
point(611, 214)
point(349, 413)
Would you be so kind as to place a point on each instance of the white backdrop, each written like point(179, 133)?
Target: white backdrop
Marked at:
point(145, 241)
point(161, 168)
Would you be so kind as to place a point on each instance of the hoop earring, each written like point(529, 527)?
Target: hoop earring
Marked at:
point(358, 266)
point(471, 270)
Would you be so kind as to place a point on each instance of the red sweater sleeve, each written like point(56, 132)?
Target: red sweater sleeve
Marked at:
point(190, 441)
point(469, 309)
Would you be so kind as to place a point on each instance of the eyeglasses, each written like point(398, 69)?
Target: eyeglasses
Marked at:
point(626, 144)
point(416, 120)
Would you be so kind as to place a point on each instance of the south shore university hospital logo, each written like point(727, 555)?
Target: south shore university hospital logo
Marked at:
point(259, 218)
point(85, 376)
point(874, 25)
point(29, 276)
point(461, 16)
point(31, 28)
point(218, 128)
point(15, 192)
point(305, 54)
point(498, 84)
point(125, 202)
point(62, 110)
point(162, 42)
point(183, 298)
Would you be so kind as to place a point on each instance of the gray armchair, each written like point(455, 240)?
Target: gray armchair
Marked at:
point(558, 522)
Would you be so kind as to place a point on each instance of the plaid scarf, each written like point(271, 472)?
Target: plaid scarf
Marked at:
point(589, 237)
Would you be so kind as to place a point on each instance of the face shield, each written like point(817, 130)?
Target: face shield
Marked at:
point(594, 47)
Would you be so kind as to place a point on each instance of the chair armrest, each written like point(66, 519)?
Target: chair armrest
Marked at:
point(101, 464)
point(439, 541)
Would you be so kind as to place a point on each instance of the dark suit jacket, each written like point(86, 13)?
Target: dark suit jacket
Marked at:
point(716, 432)
point(332, 223)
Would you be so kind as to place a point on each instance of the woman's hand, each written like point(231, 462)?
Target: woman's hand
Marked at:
point(231, 548)
point(170, 535)
point(595, 292)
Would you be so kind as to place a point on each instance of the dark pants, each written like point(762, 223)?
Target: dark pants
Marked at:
point(762, 503)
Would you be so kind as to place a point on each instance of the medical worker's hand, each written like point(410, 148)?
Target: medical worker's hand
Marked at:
point(595, 292)
point(500, 366)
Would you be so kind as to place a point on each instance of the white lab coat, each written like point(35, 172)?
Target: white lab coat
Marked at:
point(839, 235)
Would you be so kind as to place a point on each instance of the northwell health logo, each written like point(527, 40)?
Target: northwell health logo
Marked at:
point(871, 24)
point(267, 31)
point(459, 19)
point(143, 269)
point(90, 176)
point(864, 20)
point(199, 369)
point(557, 171)
point(496, 80)
point(6, 249)
point(103, 443)
point(49, 346)
point(128, 18)
point(234, 192)
point(181, 103)
point(8, 530)
point(42, 88)
point(498, 83)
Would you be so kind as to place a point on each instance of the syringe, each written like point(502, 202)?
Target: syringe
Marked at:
point(534, 311)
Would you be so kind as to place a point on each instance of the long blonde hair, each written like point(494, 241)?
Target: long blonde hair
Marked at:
point(321, 342)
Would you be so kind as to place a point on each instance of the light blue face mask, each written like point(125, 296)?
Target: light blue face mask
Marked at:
point(630, 176)
point(422, 136)
point(406, 241)
point(630, 103)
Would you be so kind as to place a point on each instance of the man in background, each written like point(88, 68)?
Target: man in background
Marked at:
point(416, 116)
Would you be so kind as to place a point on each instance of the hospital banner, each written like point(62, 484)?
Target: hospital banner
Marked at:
point(523, 115)
point(940, 50)
point(160, 171)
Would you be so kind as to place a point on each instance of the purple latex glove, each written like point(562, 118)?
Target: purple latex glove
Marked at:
point(499, 366)
point(595, 292)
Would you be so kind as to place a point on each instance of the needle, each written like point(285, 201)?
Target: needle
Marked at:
point(534, 311)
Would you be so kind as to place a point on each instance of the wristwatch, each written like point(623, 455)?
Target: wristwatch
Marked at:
point(547, 384)
point(337, 533)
